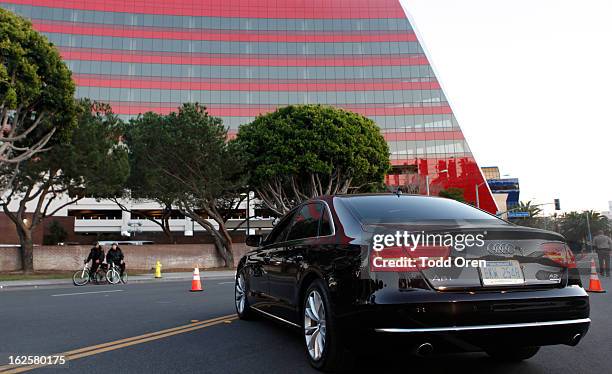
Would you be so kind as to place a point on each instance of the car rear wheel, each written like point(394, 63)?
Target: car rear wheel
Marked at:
point(514, 354)
point(322, 339)
point(240, 295)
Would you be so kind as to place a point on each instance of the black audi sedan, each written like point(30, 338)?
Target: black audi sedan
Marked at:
point(436, 274)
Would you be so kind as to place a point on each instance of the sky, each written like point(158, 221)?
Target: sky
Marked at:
point(530, 83)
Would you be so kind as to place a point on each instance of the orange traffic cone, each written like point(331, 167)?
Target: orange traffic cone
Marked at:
point(594, 283)
point(196, 285)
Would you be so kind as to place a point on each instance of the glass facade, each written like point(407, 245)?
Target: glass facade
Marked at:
point(245, 57)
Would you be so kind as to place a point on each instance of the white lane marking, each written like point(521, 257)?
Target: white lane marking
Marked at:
point(85, 293)
point(226, 283)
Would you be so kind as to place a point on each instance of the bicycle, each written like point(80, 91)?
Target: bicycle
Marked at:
point(83, 276)
point(113, 275)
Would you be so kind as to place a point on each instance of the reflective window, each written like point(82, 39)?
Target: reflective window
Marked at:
point(279, 233)
point(325, 227)
point(266, 72)
point(396, 209)
point(223, 23)
point(306, 222)
point(223, 47)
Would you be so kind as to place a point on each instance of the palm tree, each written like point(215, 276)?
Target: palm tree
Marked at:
point(533, 210)
point(574, 225)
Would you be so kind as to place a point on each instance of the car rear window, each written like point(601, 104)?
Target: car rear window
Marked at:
point(405, 208)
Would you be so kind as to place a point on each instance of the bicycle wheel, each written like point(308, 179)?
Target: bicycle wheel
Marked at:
point(100, 277)
point(113, 276)
point(80, 278)
point(124, 277)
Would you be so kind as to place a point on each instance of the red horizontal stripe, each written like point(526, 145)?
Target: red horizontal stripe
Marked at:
point(306, 9)
point(432, 161)
point(141, 32)
point(240, 60)
point(423, 135)
point(433, 135)
point(250, 85)
point(223, 111)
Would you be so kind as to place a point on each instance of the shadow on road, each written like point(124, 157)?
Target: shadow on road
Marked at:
point(386, 359)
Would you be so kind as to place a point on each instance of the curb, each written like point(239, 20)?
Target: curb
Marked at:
point(65, 282)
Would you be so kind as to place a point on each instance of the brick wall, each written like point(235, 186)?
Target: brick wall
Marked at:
point(71, 257)
point(8, 233)
point(10, 260)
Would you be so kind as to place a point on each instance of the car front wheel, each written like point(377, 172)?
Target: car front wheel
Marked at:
point(321, 337)
point(240, 295)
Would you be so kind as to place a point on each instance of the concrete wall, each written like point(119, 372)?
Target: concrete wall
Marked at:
point(10, 259)
point(184, 256)
point(8, 234)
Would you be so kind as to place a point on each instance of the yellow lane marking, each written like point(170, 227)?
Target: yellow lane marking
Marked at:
point(117, 344)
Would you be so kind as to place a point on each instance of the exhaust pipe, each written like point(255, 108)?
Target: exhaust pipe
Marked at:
point(424, 350)
point(575, 340)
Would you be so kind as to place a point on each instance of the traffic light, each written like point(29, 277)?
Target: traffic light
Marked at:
point(557, 204)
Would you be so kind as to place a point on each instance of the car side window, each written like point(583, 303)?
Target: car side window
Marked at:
point(279, 233)
point(306, 222)
point(325, 227)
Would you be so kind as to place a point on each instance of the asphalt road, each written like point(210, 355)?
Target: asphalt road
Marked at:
point(61, 319)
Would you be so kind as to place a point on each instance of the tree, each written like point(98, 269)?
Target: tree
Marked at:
point(186, 158)
point(527, 207)
point(36, 94)
point(574, 225)
point(302, 151)
point(533, 219)
point(147, 180)
point(454, 193)
point(91, 163)
point(56, 234)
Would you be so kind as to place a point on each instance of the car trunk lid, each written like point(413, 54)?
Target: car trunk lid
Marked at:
point(505, 257)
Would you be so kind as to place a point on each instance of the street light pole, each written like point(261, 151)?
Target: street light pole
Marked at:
point(248, 213)
point(589, 236)
point(477, 195)
point(427, 181)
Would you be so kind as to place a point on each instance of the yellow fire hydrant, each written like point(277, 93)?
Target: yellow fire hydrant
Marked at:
point(158, 267)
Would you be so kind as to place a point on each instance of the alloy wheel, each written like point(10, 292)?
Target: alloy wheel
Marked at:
point(240, 294)
point(315, 325)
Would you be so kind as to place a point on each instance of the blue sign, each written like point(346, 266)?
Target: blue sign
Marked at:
point(518, 214)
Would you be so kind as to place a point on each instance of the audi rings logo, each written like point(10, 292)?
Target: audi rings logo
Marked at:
point(501, 248)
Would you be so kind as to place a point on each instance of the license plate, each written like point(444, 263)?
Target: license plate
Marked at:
point(502, 273)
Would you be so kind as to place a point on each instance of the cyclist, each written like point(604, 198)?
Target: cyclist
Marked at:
point(115, 256)
point(96, 256)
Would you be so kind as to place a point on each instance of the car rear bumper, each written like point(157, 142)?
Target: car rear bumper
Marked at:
point(490, 337)
point(565, 323)
point(476, 321)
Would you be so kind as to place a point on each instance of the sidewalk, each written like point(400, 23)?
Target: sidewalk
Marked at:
point(132, 279)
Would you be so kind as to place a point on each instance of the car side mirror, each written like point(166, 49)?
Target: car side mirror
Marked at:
point(254, 240)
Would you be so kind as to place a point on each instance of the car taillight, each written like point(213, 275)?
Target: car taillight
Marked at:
point(430, 252)
point(391, 259)
point(400, 259)
point(560, 253)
